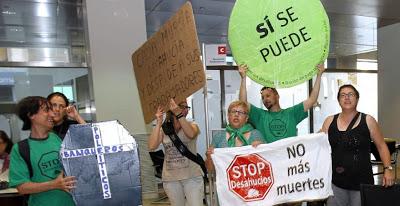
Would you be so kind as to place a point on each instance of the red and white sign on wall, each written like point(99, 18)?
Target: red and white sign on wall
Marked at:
point(215, 54)
point(222, 49)
point(250, 177)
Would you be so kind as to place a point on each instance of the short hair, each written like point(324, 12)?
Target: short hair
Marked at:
point(59, 94)
point(239, 103)
point(7, 140)
point(271, 88)
point(27, 107)
point(348, 86)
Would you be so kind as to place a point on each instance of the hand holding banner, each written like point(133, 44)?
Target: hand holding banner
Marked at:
point(289, 170)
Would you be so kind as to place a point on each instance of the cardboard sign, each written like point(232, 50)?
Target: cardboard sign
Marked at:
point(290, 170)
point(168, 65)
point(104, 159)
point(280, 41)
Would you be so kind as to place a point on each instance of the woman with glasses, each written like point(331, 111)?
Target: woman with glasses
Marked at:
point(64, 113)
point(5, 149)
point(237, 133)
point(350, 133)
point(182, 178)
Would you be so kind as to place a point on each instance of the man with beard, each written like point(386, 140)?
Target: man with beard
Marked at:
point(277, 123)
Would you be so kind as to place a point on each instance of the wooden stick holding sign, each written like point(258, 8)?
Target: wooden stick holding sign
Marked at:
point(168, 65)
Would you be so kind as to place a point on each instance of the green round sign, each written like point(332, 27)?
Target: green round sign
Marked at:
point(281, 41)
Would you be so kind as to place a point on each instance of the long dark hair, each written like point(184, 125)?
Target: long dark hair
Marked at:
point(7, 140)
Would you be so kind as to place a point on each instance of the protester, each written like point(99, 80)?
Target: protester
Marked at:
point(182, 178)
point(64, 113)
point(5, 149)
point(284, 120)
point(350, 133)
point(47, 186)
point(237, 133)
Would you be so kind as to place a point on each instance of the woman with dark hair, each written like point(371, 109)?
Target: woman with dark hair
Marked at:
point(350, 133)
point(64, 113)
point(5, 149)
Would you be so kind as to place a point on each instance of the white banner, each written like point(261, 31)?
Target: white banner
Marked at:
point(290, 170)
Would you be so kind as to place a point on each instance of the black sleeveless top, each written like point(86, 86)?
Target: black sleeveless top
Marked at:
point(61, 130)
point(351, 165)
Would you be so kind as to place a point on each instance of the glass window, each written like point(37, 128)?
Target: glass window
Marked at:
point(21, 82)
point(366, 84)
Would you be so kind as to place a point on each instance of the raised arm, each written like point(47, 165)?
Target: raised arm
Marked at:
point(155, 136)
point(308, 103)
point(242, 91)
point(377, 137)
point(74, 114)
point(191, 130)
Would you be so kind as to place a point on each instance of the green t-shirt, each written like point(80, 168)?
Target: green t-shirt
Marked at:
point(46, 166)
point(277, 125)
point(219, 138)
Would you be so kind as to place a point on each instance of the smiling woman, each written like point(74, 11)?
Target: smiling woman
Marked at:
point(64, 113)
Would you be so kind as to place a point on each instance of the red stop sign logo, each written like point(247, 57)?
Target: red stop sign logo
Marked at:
point(250, 177)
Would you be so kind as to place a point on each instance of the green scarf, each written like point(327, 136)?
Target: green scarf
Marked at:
point(238, 133)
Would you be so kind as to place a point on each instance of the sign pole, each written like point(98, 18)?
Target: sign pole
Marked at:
point(208, 140)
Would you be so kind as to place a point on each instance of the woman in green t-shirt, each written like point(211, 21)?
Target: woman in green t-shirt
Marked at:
point(237, 133)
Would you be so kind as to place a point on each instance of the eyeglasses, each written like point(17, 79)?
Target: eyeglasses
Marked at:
point(184, 107)
point(349, 95)
point(238, 112)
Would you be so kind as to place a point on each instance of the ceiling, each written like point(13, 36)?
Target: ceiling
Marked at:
point(41, 23)
point(353, 23)
point(60, 23)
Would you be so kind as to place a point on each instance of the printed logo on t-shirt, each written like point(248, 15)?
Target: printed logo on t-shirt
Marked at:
point(49, 164)
point(277, 127)
point(174, 160)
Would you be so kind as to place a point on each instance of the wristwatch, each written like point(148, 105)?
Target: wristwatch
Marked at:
point(388, 168)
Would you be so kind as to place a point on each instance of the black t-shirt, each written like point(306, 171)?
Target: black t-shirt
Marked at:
point(351, 150)
point(61, 130)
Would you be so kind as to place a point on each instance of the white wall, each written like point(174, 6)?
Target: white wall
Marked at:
point(388, 80)
point(116, 29)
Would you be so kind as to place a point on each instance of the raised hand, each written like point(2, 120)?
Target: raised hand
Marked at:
point(242, 70)
point(174, 107)
point(159, 115)
point(321, 69)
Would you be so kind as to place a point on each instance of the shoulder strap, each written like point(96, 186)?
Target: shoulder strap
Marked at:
point(353, 122)
point(24, 151)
